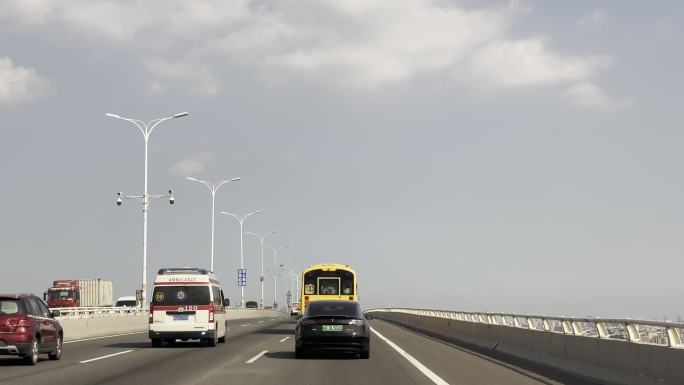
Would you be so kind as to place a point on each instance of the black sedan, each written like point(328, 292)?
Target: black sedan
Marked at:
point(332, 326)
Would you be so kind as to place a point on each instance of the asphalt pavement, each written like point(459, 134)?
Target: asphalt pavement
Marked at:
point(261, 352)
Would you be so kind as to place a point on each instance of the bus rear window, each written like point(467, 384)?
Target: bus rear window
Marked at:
point(180, 295)
point(319, 282)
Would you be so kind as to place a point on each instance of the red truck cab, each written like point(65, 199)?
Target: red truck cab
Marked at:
point(63, 293)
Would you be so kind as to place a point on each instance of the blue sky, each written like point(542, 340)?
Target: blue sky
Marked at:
point(515, 156)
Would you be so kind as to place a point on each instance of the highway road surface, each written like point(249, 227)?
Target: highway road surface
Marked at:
point(261, 352)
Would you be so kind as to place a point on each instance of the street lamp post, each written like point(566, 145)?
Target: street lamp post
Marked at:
point(213, 187)
point(146, 130)
point(299, 290)
point(261, 279)
point(275, 272)
point(241, 219)
point(293, 275)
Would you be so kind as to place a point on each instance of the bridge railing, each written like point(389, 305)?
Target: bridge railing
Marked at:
point(670, 334)
point(94, 312)
point(111, 311)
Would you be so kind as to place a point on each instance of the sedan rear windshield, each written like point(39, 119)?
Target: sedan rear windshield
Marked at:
point(337, 308)
point(11, 307)
point(180, 295)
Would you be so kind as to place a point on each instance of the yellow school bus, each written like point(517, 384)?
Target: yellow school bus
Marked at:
point(328, 281)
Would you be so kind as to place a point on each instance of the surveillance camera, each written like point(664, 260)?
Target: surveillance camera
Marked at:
point(172, 200)
point(119, 201)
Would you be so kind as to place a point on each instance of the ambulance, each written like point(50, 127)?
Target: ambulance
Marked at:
point(187, 304)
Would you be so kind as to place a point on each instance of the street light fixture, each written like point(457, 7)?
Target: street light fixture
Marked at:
point(241, 219)
point(146, 130)
point(261, 279)
point(275, 273)
point(213, 187)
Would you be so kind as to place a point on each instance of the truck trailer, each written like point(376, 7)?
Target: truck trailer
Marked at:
point(80, 293)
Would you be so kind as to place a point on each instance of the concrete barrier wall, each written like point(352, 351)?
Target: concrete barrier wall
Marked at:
point(79, 328)
point(604, 360)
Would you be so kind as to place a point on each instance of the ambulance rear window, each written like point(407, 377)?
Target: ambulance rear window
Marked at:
point(180, 295)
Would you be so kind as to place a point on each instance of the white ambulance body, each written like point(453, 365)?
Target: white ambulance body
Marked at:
point(187, 303)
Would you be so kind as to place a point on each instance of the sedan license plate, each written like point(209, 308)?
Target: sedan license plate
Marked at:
point(332, 328)
point(180, 317)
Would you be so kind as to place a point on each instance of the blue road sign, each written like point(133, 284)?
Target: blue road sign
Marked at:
point(242, 277)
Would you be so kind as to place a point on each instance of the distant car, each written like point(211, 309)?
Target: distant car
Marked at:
point(28, 328)
point(126, 301)
point(295, 310)
point(251, 305)
point(332, 325)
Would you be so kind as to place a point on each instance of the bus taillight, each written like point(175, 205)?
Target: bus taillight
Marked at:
point(351, 297)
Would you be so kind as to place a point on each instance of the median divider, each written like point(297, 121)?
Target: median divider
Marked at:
point(603, 360)
point(99, 326)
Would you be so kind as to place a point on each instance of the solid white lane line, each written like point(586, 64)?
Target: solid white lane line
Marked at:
point(423, 369)
point(256, 357)
point(99, 338)
point(245, 325)
point(283, 340)
point(103, 357)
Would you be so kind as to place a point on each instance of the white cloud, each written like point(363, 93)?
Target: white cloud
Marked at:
point(592, 19)
point(19, 84)
point(365, 44)
point(191, 166)
point(527, 62)
point(587, 94)
point(341, 43)
point(125, 21)
point(196, 76)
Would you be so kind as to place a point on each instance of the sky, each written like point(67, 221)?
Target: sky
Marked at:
point(503, 156)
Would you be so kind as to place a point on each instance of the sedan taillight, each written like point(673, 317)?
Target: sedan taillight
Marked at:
point(357, 322)
point(15, 325)
point(18, 322)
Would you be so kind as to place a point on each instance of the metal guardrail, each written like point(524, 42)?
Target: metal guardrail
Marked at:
point(111, 311)
point(95, 312)
point(669, 334)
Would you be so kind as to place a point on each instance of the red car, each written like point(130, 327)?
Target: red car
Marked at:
point(28, 328)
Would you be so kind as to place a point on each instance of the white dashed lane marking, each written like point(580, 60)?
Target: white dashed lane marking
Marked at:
point(256, 357)
point(103, 357)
